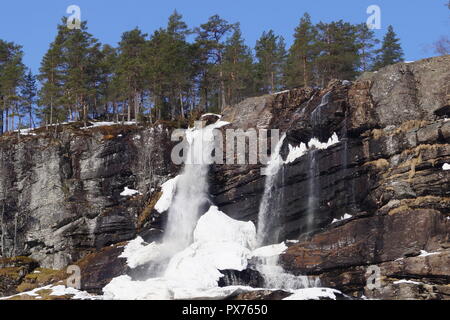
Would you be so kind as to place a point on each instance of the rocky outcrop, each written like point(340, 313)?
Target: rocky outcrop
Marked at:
point(386, 172)
point(61, 203)
point(61, 192)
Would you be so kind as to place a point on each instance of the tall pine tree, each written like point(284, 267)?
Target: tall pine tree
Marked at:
point(339, 52)
point(11, 73)
point(391, 51)
point(237, 68)
point(271, 55)
point(131, 69)
point(28, 93)
point(210, 39)
point(366, 42)
point(302, 55)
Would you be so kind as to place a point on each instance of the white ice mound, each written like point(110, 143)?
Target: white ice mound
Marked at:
point(138, 253)
point(220, 243)
point(168, 192)
point(216, 226)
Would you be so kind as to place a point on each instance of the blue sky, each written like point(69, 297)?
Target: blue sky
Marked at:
point(32, 23)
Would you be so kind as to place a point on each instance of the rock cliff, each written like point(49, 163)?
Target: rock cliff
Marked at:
point(62, 203)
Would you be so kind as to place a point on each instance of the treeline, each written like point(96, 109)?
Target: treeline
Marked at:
point(176, 70)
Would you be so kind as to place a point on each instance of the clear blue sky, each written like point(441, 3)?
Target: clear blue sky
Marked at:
point(32, 23)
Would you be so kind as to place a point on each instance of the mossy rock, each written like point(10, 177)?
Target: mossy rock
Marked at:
point(26, 262)
point(40, 278)
point(10, 278)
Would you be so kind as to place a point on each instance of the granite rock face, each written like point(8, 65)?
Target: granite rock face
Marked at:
point(386, 173)
point(61, 203)
point(61, 193)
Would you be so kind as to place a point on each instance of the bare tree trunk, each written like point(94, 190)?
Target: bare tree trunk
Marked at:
point(137, 101)
point(1, 117)
point(181, 105)
point(115, 114)
point(85, 115)
point(20, 122)
point(51, 111)
point(305, 72)
point(7, 118)
point(222, 89)
point(31, 116)
point(129, 111)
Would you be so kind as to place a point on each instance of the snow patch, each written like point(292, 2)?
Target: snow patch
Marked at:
point(269, 251)
point(127, 192)
point(108, 123)
point(446, 167)
point(59, 290)
point(423, 253)
point(345, 217)
point(406, 281)
point(211, 114)
point(280, 92)
point(302, 149)
point(313, 294)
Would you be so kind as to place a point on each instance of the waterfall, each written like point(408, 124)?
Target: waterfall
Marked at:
point(269, 228)
point(191, 190)
point(349, 198)
point(269, 209)
point(191, 198)
point(275, 276)
point(313, 189)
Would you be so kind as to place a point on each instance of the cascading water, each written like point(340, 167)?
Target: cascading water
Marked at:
point(349, 197)
point(197, 251)
point(313, 189)
point(313, 181)
point(269, 209)
point(191, 190)
point(190, 200)
point(269, 228)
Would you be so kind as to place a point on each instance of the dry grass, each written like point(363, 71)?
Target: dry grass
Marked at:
point(380, 164)
point(400, 209)
point(406, 205)
point(145, 214)
point(41, 278)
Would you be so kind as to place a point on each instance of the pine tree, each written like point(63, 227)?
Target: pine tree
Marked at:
point(50, 76)
point(28, 93)
point(176, 27)
point(271, 54)
point(302, 55)
point(210, 40)
point(237, 68)
point(70, 75)
point(109, 89)
point(81, 54)
point(131, 68)
point(171, 69)
point(339, 52)
point(11, 74)
point(366, 42)
point(391, 51)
